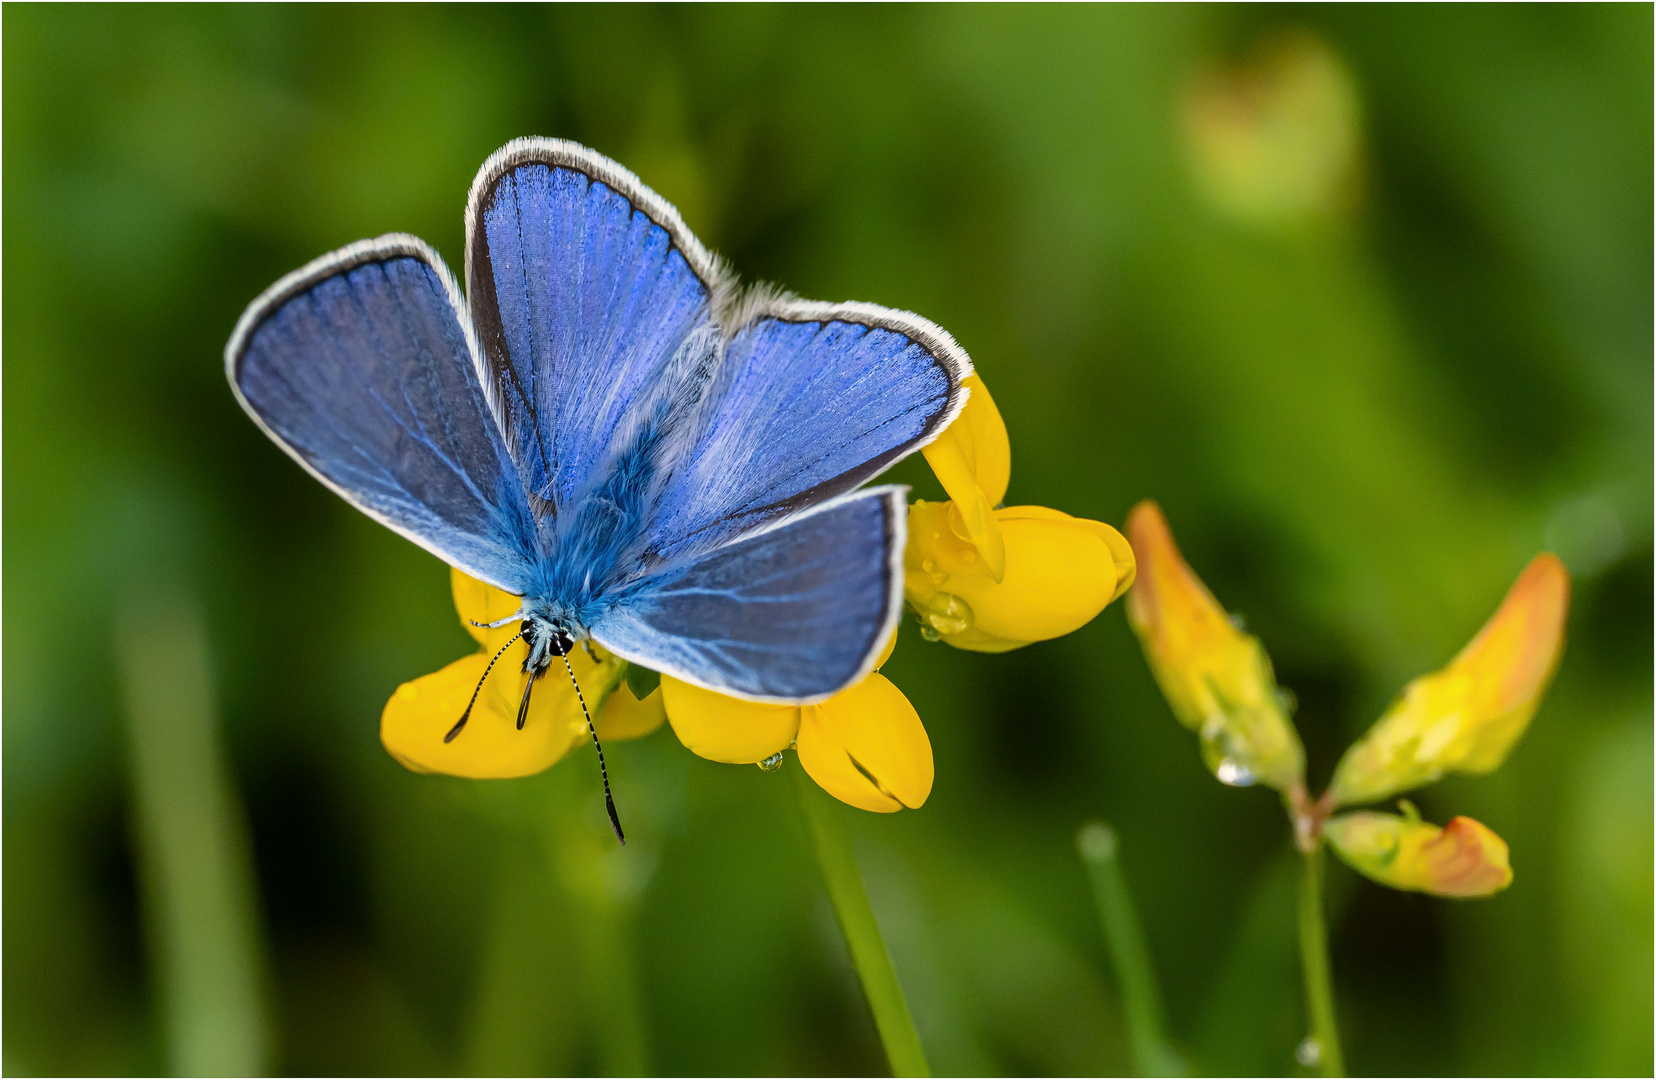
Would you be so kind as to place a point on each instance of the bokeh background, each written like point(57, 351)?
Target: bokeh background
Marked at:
point(1363, 296)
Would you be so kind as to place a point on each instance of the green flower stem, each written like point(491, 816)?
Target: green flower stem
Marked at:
point(1140, 997)
point(862, 934)
point(1319, 980)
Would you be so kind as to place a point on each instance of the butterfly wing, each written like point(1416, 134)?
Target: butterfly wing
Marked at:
point(359, 366)
point(810, 401)
point(789, 614)
point(593, 306)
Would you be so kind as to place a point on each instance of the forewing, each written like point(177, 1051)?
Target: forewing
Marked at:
point(791, 614)
point(810, 401)
point(358, 365)
point(587, 292)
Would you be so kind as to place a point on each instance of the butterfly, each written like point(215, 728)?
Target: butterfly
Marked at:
point(605, 425)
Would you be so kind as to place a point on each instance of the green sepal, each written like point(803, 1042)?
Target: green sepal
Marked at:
point(642, 681)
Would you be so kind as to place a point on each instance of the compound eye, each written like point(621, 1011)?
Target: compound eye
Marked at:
point(562, 642)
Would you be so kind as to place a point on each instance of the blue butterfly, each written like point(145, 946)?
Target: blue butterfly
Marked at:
point(607, 427)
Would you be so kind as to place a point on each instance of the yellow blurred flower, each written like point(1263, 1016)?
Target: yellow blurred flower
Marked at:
point(1466, 717)
point(989, 579)
point(422, 712)
point(1276, 140)
point(1463, 859)
point(865, 745)
point(1217, 679)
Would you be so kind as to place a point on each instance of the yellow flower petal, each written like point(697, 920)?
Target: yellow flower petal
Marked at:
point(421, 712)
point(978, 437)
point(727, 729)
point(973, 462)
point(866, 746)
point(1463, 859)
point(626, 717)
point(1060, 573)
point(477, 602)
point(1217, 679)
point(1466, 717)
point(885, 653)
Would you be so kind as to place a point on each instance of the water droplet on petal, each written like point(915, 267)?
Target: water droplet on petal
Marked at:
point(928, 633)
point(948, 614)
point(1234, 773)
point(928, 565)
point(772, 763)
point(1308, 1052)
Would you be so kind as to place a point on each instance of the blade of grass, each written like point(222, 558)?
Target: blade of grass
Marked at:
point(199, 894)
point(1141, 1002)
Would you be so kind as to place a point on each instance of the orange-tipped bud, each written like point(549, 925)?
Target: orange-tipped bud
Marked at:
point(1467, 717)
point(1464, 859)
point(1217, 679)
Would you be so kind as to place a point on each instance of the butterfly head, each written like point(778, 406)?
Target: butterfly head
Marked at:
point(548, 638)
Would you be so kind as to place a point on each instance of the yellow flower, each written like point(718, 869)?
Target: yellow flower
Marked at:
point(991, 579)
point(1276, 141)
point(1463, 859)
point(1466, 717)
point(1217, 679)
point(865, 745)
point(422, 712)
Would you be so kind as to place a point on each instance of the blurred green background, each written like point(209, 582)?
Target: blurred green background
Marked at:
point(1361, 295)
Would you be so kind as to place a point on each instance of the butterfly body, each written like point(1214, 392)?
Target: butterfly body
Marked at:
point(604, 427)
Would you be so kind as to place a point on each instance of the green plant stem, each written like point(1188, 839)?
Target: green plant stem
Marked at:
point(1140, 997)
point(1319, 979)
point(862, 934)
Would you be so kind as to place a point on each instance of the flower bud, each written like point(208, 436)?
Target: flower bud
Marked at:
point(1217, 679)
point(1466, 717)
point(1463, 859)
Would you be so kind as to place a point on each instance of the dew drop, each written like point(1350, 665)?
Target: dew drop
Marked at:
point(772, 763)
point(948, 614)
point(928, 633)
point(928, 565)
point(1234, 773)
point(1308, 1052)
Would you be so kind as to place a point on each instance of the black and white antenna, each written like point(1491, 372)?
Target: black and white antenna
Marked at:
point(603, 770)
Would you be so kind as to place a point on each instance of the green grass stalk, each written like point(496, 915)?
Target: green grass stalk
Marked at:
point(1141, 1001)
point(199, 897)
